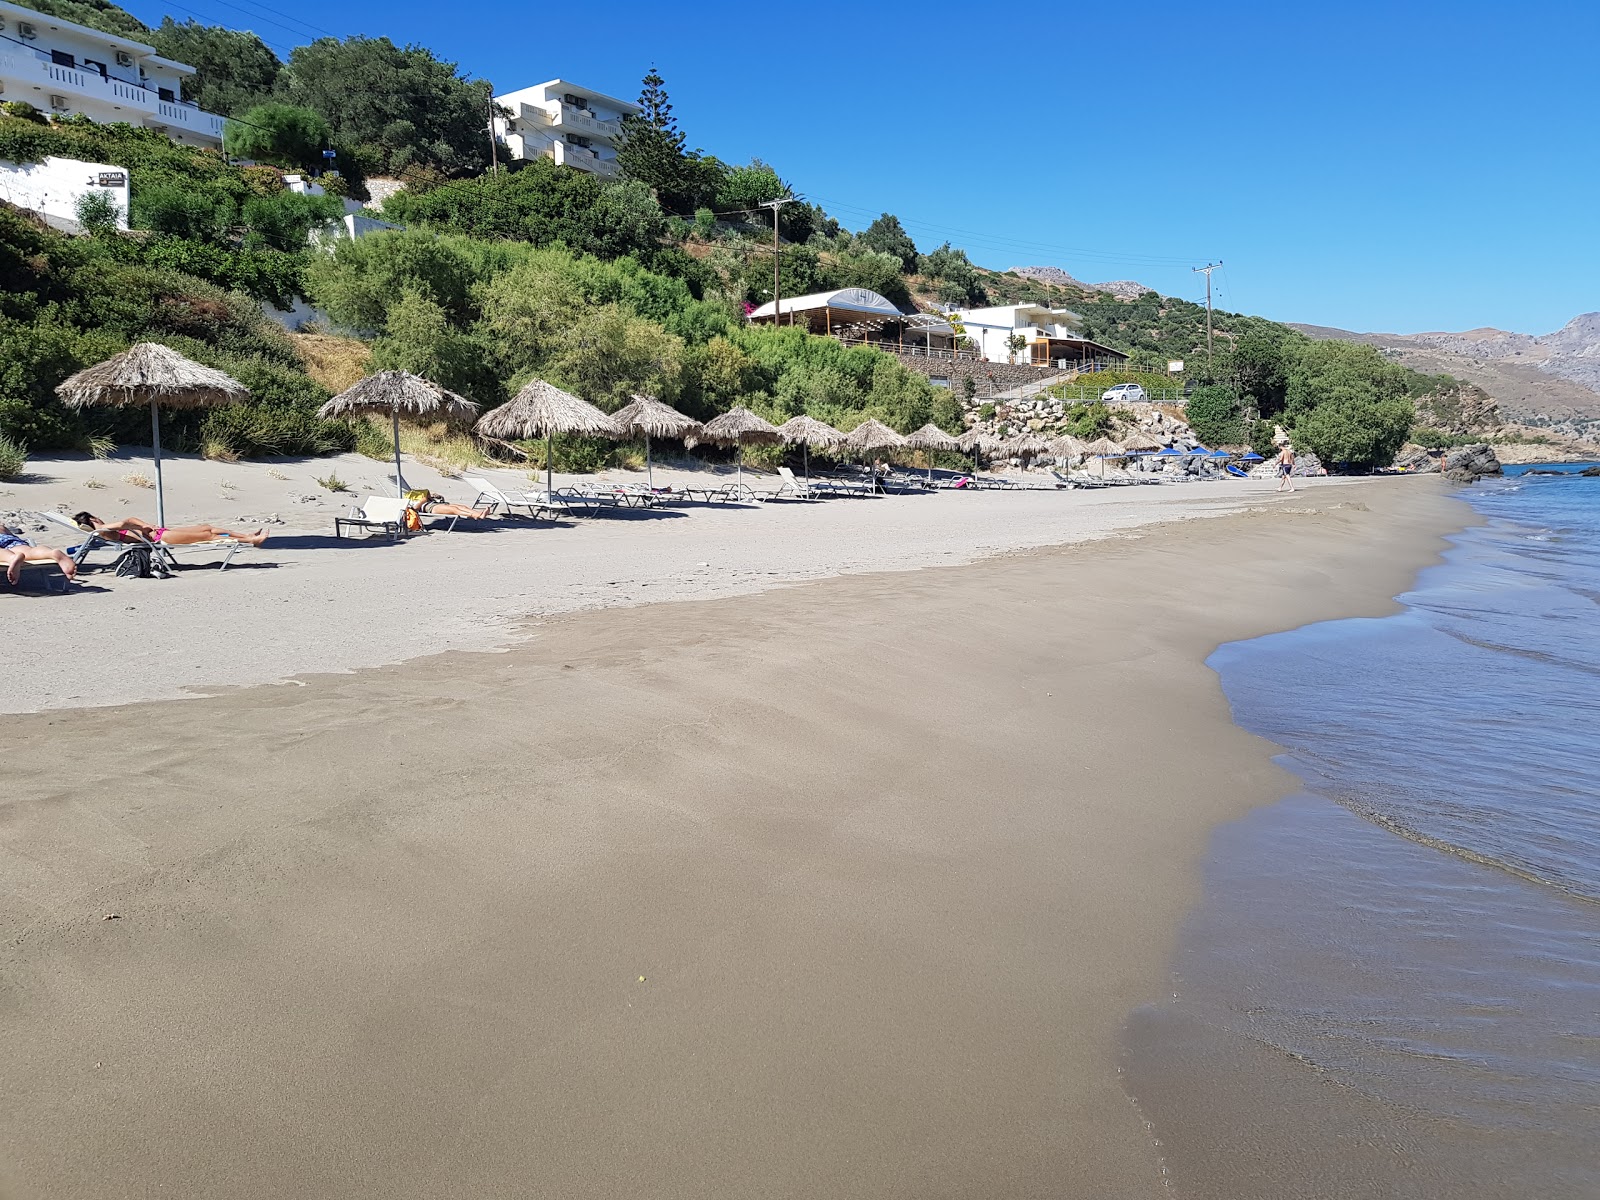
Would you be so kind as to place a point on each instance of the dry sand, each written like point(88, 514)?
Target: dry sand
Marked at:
point(306, 602)
point(842, 889)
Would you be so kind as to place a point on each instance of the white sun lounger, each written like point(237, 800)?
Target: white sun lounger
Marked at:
point(95, 541)
point(510, 500)
point(790, 488)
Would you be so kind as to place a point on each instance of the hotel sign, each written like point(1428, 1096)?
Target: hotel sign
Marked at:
point(112, 179)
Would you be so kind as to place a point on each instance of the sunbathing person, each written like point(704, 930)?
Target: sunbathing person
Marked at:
point(170, 535)
point(16, 550)
point(437, 506)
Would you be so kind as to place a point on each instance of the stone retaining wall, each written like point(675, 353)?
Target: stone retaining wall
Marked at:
point(989, 377)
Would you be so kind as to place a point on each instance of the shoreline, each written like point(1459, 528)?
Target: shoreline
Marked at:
point(847, 887)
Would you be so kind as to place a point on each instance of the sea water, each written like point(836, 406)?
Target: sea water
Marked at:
point(1392, 986)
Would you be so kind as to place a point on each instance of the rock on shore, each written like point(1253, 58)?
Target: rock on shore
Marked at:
point(1471, 463)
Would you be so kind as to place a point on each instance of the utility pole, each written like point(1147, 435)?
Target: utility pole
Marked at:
point(1206, 271)
point(494, 151)
point(775, 205)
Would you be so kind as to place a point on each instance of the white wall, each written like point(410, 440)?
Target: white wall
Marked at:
point(52, 187)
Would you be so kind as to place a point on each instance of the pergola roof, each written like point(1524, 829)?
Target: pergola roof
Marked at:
point(852, 300)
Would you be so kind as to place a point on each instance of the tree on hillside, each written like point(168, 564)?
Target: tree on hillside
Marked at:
point(96, 14)
point(887, 236)
point(1346, 403)
point(651, 152)
point(957, 278)
point(234, 70)
point(285, 135)
point(744, 188)
point(393, 107)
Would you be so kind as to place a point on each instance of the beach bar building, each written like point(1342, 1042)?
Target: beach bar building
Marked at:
point(63, 68)
point(1051, 336)
point(860, 316)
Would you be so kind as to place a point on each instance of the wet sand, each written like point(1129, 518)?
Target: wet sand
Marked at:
point(842, 889)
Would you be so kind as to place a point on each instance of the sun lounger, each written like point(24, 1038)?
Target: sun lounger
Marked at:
point(510, 500)
point(385, 514)
point(125, 538)
point(790, 488)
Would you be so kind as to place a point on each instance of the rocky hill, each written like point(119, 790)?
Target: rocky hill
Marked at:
point(1122, 289)
point(1549, 380)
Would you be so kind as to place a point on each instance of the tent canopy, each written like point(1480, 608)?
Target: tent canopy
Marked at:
point(844, 300)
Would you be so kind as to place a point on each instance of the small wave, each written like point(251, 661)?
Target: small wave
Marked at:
point(1396, 826)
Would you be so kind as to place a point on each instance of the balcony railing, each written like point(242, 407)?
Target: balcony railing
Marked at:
point(570, 119)
point(23, 62)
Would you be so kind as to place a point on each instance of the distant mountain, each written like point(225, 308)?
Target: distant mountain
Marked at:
point(1122, 289)
point(1554, 377)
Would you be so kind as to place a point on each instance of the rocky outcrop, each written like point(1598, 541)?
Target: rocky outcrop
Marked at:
point(1415, 460)
point(1471, 463)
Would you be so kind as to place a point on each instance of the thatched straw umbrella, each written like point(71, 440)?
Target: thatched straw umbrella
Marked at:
point(150, 373)
point(1103, 448)
point(740, 427)
point(974, 440)
point(542, 410)
point(650, 417)
point(1142, 441)
point(394, 393)
point(807, 432)
point(930, 438)
point(1068, 447)
point(1025, 445)
point(872, 435)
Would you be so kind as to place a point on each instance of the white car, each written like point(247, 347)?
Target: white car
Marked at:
point(1124, 393)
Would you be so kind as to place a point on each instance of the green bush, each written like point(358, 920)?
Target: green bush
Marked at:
point(284, 222)
point(97, 213)
point(13, 458)
point(1213, 413)
point(1360, 431)
point(178, 208)
point(285, 134)
point(574, 455)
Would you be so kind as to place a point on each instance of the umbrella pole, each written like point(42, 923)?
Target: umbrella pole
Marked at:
point(549, 469)
point(741, 473)
point(399, 483)
point(649, 467)
point(155, 446)
point(805, 459)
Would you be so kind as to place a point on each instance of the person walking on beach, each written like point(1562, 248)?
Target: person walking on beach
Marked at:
point(1286, 468)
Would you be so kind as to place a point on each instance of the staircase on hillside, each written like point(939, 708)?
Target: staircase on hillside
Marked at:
point(1024, 390)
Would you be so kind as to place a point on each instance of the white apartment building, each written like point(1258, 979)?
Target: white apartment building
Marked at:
point(576, 126)
point(63, 68)
point(1051, 336)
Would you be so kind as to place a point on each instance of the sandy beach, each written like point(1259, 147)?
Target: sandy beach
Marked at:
point(532, 886)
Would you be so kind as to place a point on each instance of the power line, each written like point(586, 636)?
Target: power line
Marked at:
point(278, 46)
point(278, 12)
point(996, 241)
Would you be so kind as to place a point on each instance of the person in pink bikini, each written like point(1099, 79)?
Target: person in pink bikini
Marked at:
point(171, 535)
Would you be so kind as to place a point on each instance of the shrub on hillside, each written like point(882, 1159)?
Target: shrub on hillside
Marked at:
point(285, 134)
point(1213, 413)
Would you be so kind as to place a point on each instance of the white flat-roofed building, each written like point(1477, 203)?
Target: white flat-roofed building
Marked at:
point(62, 68)
point(577, 126)
point(1050, 336)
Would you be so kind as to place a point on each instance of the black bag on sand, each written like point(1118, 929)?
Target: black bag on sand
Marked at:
point(141, 562)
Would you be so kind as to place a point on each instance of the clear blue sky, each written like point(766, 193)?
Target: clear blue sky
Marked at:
point(1396, 166)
